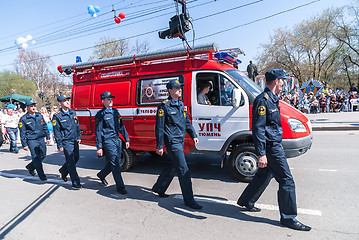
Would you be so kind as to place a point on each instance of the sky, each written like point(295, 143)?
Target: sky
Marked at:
point(64, 29)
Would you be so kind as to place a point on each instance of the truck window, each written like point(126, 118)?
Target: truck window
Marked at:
point(154, 90)
point(214, 89)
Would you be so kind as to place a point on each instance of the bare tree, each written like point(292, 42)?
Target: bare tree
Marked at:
point(110, 47)
point(35, 67)
point(141, 47)
point(308, 51)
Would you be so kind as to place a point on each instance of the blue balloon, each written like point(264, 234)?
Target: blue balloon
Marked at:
point(91, 10)
point(97, 9)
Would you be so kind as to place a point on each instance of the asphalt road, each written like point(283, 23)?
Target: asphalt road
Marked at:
point(326, 182)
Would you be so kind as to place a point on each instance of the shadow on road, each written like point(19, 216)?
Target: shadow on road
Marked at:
point(177, 206)
point(201, 166)
point(21, 216)
point(172, 203)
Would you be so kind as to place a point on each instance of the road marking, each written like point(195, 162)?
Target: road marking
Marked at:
point(262, 206)
point(49, 180)
point(328, 170)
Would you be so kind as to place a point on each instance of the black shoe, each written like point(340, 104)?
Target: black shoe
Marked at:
point(161, 195)
point(104, 182)
point(77, 186)
point(63, 176)
point(16, 151)
point(32, 172)
point(248, 208)
point(194, 206)
point(122, 191)
point(43, 178)
point(296, 226)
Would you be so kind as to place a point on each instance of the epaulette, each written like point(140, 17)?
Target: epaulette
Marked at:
point(266, 96)
point(165, 101)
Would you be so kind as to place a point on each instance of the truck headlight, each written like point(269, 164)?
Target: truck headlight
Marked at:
point(296, 125)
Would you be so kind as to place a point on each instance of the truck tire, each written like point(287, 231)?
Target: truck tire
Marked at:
point(243, 162)
point(128, 159)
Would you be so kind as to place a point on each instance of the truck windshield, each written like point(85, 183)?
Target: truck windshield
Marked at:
point(245, 82)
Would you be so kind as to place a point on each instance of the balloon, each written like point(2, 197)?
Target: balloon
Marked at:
point(94, 15)
point(21, 40)
point(117, 20)
point(24, 42)
point(121, 15)
point(91, 10)
point(97, 8)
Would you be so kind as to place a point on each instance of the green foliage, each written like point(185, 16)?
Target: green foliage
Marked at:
point(12, 83)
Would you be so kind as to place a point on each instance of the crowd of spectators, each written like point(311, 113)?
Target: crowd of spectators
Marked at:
point(328, 100)
point(9, 120)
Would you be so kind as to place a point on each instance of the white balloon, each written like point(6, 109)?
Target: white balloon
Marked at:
point(94, 15)
point(21, 40)
point(33, 42)
point(24, 45)
point(28, 37)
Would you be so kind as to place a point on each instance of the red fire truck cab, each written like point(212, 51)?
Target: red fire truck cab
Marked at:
point(223, 124)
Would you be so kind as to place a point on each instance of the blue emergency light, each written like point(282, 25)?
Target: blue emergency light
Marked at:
point(78, 59)
point(228, 58)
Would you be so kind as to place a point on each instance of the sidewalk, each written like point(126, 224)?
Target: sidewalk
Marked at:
point(343, 121)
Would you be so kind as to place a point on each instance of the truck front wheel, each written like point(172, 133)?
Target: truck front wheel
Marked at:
point(243, 162)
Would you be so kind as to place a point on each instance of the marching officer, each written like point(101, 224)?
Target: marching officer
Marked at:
point(267, 136)
point(172, 123)
point(33, 129)
point(68, 136)
point(108, 127)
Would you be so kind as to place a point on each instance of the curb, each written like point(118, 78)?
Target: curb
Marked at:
point(343, 128)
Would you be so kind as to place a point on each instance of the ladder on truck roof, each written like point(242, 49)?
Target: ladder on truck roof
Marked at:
point(176, 52)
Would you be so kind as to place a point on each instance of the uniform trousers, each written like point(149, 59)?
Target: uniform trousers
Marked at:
point(71, 151)
point(278, 168)
point(112, 148)
point(13, 138)
point(177, 165)
point(38, 153)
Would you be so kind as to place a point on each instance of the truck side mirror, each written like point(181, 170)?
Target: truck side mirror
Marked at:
point(237, 98)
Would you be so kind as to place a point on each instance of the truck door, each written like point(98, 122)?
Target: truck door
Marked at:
point(213, 116)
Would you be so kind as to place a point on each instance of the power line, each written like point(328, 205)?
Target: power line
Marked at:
point(72, 33)
point(202, 37)
point(81, 21)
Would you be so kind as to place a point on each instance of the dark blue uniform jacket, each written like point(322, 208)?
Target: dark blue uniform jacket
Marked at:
point(66, 127)
point(172, 123)
point(109, 125)
point(266, 122)
point(32, 128)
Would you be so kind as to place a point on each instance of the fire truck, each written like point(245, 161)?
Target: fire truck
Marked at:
point(223, 124)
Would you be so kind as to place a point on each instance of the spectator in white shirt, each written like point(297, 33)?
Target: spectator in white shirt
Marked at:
point(9, 124)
